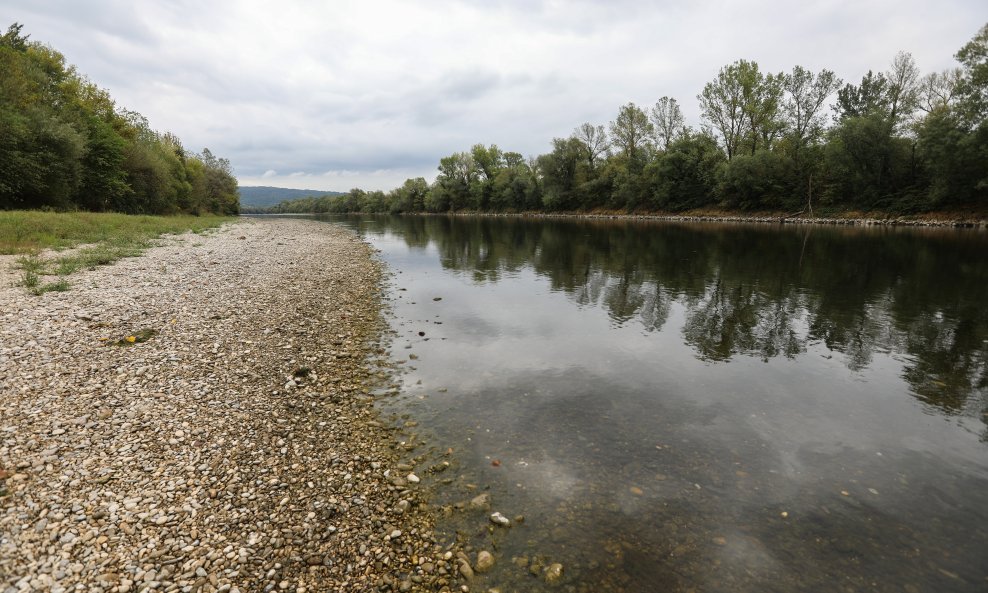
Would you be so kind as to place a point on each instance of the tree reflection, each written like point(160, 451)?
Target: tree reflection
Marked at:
point(759, 291)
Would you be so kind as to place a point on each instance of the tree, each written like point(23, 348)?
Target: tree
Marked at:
point(807, 92)
point(595, 143)
point(457, 174)
point(892, 96)
point(974, 82)
point(559, 173)
point(722, 104)
point(940, 90)
point(868, 98)
point(955, 158)
point(488, 160)
point(684, 176)
point(410, 197)
point(13, 38)
point(65, 144)
point(515, 187)
point(631, 131)
point(903, 89)
point(743, 105)
point(667, 119)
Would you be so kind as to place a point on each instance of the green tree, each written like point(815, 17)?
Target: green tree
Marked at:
point(595, 144)
point(974, 80)
point(457, 174)
point(765, 180)
point(940, 90)
point(806, 95)
point(868, 98)
point(410, 197)
point(667, 121)
point(631, 133)
point(743, 104)
point(684, 176)
point(559, 170)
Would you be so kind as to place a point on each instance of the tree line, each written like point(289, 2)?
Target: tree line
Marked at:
point(897, 141)
point(65, 144)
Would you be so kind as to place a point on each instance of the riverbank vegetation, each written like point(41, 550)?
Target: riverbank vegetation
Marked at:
point(66, 145)
point(101, 239)
point(795, 142)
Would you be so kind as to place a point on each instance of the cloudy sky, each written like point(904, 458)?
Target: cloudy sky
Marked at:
point(339, 94)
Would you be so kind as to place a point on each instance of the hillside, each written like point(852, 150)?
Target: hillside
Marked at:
point(264, 196)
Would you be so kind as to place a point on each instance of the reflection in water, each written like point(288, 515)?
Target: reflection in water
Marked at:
point(705, 407)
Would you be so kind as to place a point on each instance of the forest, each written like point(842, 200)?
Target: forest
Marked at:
point(898, 141)
point(66, 145)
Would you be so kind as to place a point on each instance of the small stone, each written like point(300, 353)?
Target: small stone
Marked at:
point(500, 520)
point(485, 561)
point(466, 571)
point(413, 479)
point(554, 574)
point(482, 501)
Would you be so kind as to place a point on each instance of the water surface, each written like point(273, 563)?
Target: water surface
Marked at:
point(705, 407)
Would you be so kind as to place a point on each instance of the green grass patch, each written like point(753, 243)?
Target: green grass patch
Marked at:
point(101, 238)
point(27, 231)
point(101, 254)
point(58, 286)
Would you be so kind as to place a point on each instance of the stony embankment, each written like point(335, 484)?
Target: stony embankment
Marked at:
point(198, 419)
point(929, 221)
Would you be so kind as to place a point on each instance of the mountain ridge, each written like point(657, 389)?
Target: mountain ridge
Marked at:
point(262, 196)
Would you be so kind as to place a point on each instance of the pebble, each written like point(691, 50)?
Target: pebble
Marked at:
point(500, 520)
point(180, 463)
point(482, 501)
point(485, 561)
point(554, 574)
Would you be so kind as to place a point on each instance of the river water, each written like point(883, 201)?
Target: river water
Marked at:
point(699, 407)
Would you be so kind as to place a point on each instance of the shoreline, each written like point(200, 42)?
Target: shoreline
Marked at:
point(231, 445)
point(930, 221)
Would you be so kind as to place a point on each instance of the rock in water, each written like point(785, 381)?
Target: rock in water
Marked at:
point(485, 561)
point(554, 574)
point(482, 501)
point(500, 520)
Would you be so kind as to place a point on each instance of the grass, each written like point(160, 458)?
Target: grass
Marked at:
point(101, 238)
point(29, 231)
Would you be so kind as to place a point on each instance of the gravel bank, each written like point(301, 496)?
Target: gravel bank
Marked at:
point(231, 446)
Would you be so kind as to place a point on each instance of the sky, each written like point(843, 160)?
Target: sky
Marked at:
point(336, 94)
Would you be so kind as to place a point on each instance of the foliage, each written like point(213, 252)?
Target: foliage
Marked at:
point(65, 145)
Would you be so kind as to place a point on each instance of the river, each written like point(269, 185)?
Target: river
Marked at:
point(699, 407)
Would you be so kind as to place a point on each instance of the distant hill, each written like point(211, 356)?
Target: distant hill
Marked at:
point(261, 196)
